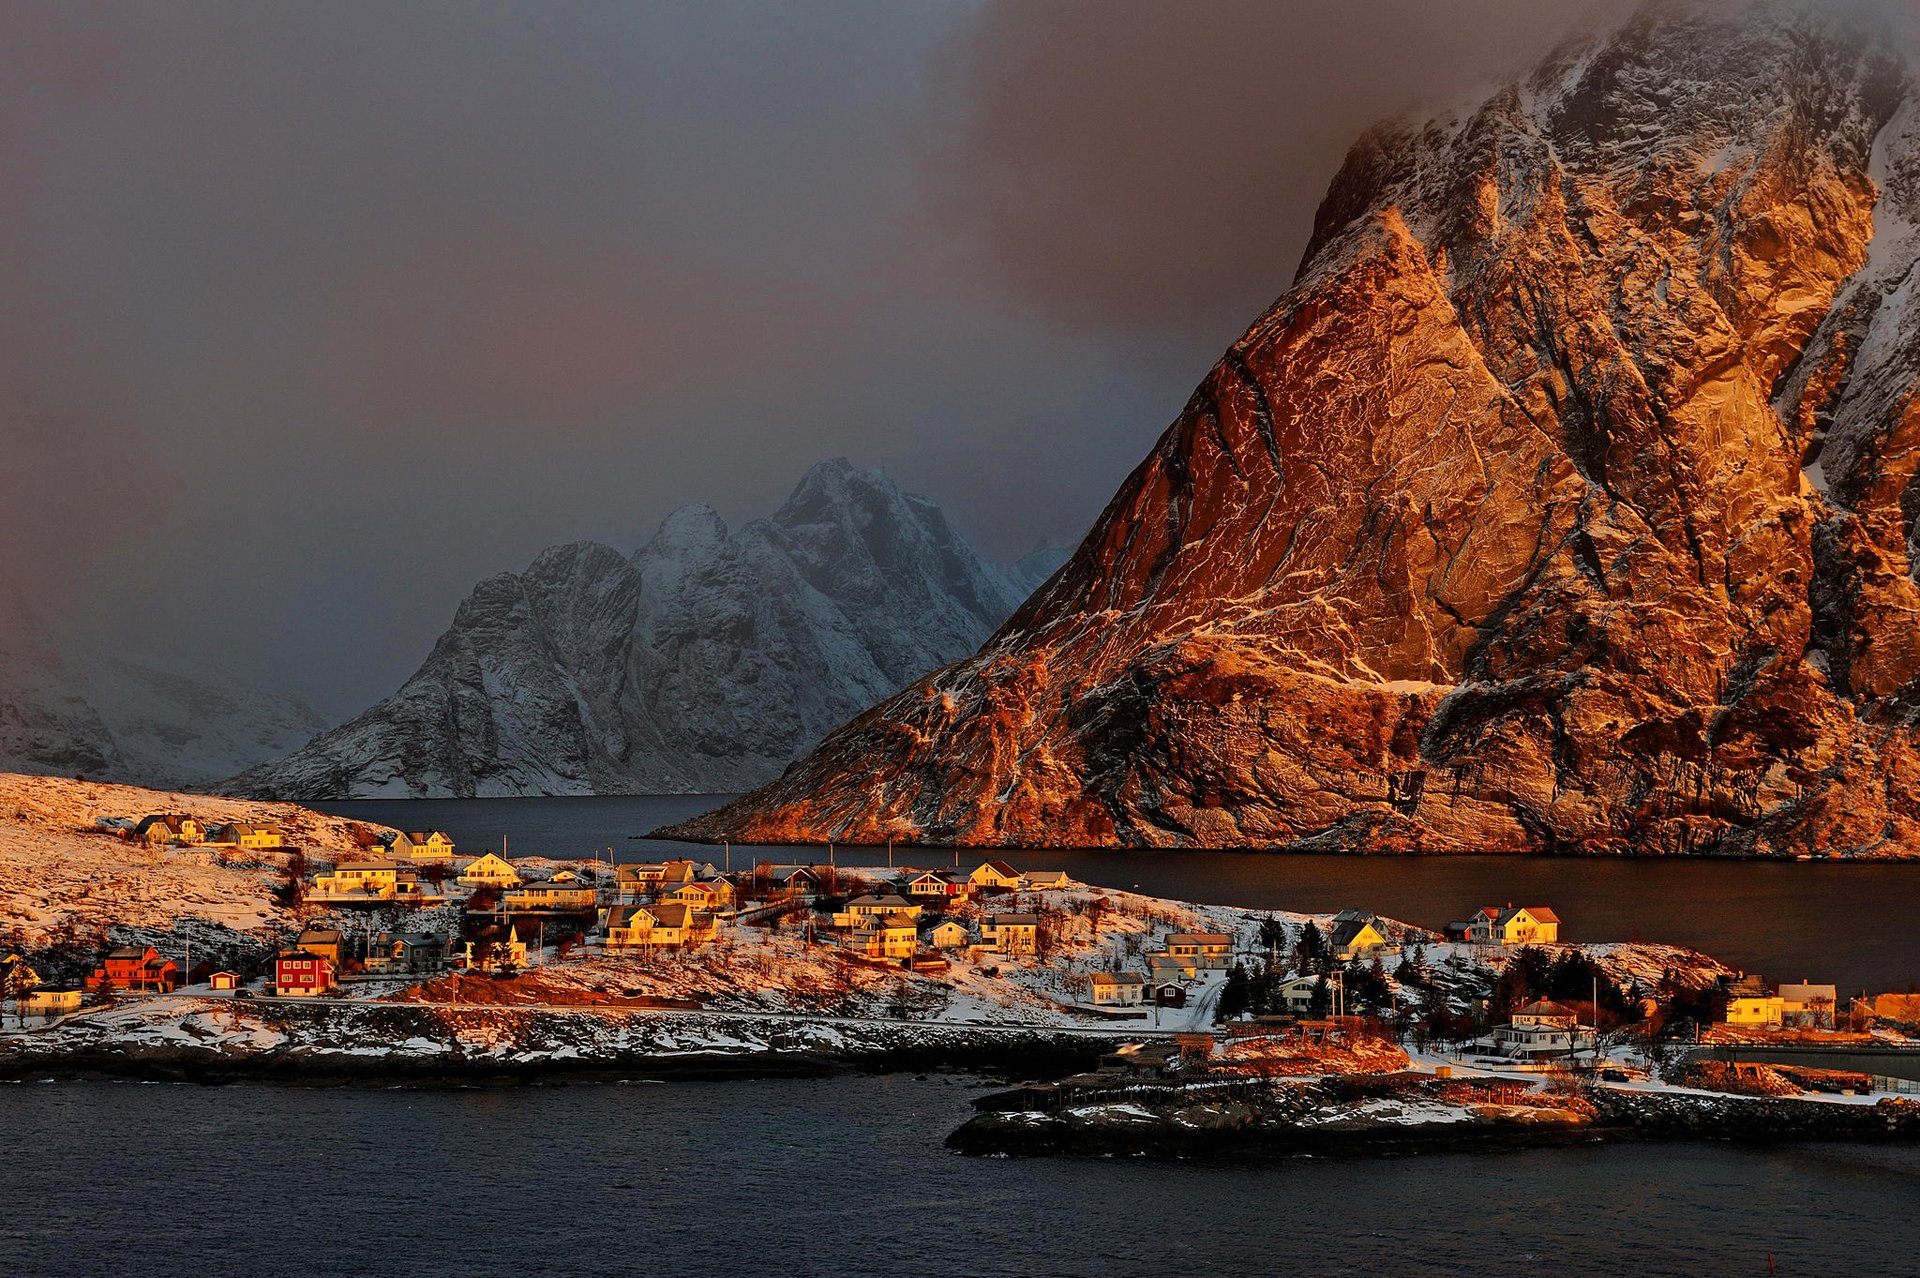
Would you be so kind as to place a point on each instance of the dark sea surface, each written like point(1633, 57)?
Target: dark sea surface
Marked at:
point(1856, 924)
point(847, 1177)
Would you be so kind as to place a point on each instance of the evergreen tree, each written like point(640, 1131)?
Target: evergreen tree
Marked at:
point(1234, 995)
point(1311, 948)
point(1322, 997)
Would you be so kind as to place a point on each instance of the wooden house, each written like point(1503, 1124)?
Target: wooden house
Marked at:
point(299, 974)
point(139, 968)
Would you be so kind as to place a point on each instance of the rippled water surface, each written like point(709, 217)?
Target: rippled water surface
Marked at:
point(847, 1177)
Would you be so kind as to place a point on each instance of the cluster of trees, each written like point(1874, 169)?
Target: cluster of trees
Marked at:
point(1568, 977)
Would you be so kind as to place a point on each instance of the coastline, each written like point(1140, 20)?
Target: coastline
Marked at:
point(410, 1044)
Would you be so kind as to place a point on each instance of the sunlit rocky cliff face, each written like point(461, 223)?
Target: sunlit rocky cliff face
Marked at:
point(1565, 502)
point(704, 662)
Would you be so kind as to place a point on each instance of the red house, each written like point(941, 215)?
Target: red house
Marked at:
point(299, 974)
point(133, 967)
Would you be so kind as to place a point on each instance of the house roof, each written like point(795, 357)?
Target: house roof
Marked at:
point(1199, 938)
point(1545, 1007)
point(300, 955)
point(1014, 920)
point(1346, 933)
point(1001, 868)
point(670, 914)
point(1118, 978)
point(322, 935)
point(890, 899)
point(1538, 913)
point(1046, 876)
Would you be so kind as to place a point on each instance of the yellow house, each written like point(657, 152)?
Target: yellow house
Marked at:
point(874, 907)
point(1355, 933)
point(359, 879)
point(643, 926)
point(49, 1002)
point(242, 835)
point(995, 875)
point(704, 894)
point(489, 871)
point(948, 936)
point(169, 827)
point(1756, 1009)
point(1210, 950)
point(564, 891)
point(1511, 925)
point(1118, 989)
point(893, 937)
point(424, 845)
point(1011, 933)
point(322, 941)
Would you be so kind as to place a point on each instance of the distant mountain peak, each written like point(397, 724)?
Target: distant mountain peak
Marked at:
point(706, 661)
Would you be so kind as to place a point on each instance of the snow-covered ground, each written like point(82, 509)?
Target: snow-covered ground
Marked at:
point(61, 877)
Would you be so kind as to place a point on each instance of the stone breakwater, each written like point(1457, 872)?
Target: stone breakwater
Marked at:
point(1253, 1119)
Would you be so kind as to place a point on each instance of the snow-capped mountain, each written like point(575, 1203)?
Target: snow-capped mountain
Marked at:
point(1567, 501)
point(71, 708)
point(704, 662)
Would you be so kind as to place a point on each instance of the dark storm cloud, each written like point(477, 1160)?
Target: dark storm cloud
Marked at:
point(1148, 168)
point(315, 314)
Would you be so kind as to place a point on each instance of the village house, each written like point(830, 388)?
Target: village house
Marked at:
point(948, 935)
point(1118, 989)
point(323, 941)
point(375, 879)
point(168, 827)
point(298, 974)
point(1011, 933)
point(1541, 1029)
point(1758, 1010)
point(139, 968)
point(1355, 934)
point(1164, 968)
point(49, 1000)
point(564, 891)
point(423, 845)
point(1296, 993)
point(1208, 951)
point(223, 982)
point(871, 906)
point(409, 952)
point(663, 923)
point(705, 894)
point(892, 936)
point(801, 879)
point(1511, 925)
point(995, 876)
point(1804, 1006)
point(247, 837)
point(488, 871)
point(1046, 880)
point(934, 884)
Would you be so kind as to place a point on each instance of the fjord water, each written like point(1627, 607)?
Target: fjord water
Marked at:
point(1855, 924)
point(847, 1177)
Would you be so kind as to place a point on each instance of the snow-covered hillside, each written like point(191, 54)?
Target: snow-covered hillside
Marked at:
point(62, 881)
point(69, 708)
point(705, 662)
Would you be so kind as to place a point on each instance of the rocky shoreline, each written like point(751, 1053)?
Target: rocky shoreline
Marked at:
point(409, 1045)
point(1391, 1115)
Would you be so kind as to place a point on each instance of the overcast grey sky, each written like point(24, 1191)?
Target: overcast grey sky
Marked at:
point(316, 314)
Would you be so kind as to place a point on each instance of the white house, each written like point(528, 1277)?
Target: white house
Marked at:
point(1542, 1029)
point(1118, 989)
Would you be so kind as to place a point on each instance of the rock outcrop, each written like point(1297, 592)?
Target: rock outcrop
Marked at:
point(1564, 503)
point(705, 662)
